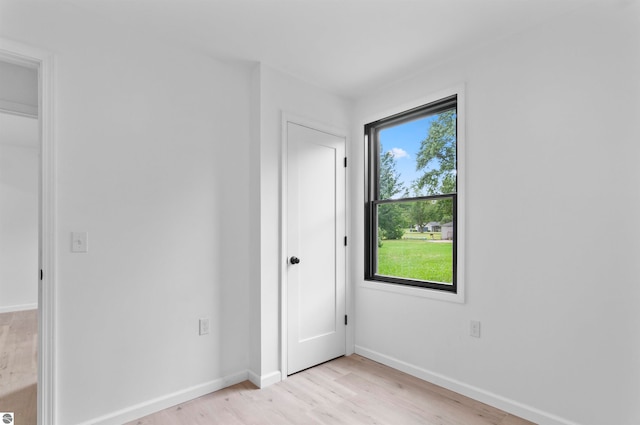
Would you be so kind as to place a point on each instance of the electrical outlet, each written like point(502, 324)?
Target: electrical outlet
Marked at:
point(475, 329)
point(79, 242)
point(204, 326)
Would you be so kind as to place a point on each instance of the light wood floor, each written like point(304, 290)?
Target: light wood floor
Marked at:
point(19, 365)
point(349, 390)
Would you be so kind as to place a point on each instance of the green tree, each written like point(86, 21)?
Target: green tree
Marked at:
point(443, 210)
point(437, 156)
point(419, 214)
point(391, 218)
point(391, 221)
point(390, 184)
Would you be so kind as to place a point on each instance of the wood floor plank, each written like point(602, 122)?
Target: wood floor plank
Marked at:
point(19, 365)
point(514, 420)
point(370, 410)
point(408, 388)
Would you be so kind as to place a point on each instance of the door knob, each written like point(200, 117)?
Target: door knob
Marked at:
point(294, 260)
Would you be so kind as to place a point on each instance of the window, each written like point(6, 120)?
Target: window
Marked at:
point(412, 197)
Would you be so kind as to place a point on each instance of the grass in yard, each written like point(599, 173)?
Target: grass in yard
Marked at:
point(436, 236)
point(416, 259)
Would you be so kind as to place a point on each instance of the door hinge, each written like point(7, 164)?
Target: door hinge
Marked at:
point(345, 319)
point(345, 161)
point(345, 241)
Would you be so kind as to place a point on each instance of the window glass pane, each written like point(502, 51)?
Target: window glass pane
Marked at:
point(415, 240)
point(418, 157)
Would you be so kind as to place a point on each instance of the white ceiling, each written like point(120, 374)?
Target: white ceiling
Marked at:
point(345, 46)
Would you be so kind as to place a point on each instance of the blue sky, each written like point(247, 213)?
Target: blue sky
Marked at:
point(404, 142)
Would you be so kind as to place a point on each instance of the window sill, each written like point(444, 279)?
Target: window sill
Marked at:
point(414, 291)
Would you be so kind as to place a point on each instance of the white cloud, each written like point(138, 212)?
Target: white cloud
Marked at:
point(399, 153)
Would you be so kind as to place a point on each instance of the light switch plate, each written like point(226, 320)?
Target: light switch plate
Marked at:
point(204, 326)
point(79, 242)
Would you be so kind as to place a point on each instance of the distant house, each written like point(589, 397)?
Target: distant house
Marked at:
point(446, 231)
point(432, 226)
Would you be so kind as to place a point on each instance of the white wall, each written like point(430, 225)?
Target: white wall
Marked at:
point(552, 143)
point(152, 147)
point(278, 93)
point(19, 171)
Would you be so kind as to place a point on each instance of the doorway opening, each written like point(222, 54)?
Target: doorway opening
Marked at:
point(27, 235)
point(19, 240)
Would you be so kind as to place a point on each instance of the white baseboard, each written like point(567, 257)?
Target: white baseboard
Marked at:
point(254, 378)
point(265, 380)
point(151, 406)
point(519, 409)
point(21, 307)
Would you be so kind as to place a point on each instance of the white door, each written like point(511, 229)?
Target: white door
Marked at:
point(316, 238)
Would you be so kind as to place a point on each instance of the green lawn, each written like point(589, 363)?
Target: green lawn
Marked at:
point(416, 259)
point(422, 236)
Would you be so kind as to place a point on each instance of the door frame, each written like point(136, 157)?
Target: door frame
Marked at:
point(284, 168)
point(25, 55)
